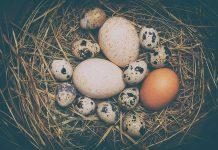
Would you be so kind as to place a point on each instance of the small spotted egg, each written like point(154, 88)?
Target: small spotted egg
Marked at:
point(61, 69)
point(135, 72)
point(148, 37)
point(134, 125)
point(93, 18)
point(84, 49)
point(129, 98)
point(85, 105)
point(108, 112)
point(65, 94)
point(159, 57)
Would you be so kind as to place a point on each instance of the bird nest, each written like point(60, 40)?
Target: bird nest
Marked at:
point(48, 34)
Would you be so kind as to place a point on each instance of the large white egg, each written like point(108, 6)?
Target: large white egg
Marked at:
point(119, 41)
point(98, 78)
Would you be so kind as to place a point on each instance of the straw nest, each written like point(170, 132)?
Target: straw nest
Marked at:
point(49, 33)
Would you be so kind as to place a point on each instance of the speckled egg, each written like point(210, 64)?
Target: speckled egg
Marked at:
point(119, 41)
point(148, 37)
point(61, 69)
point(84, 49)
point(135, 72)
point(108, 112)
point(65, 94)
point(159, 57)
point(85, 105)
point(129, 98)
point(93, 18)
point(134, 125)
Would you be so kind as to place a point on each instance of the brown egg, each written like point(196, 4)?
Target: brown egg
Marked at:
point(159, 88)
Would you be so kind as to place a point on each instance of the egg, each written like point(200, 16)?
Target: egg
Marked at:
point(134, 125)
point(84, 49)
point(65, 94)
point(159, 57)
point(119, 41)
point(135, 72)
point(85, 105)
point(129, 98)
point(93, 18)
point(159, 88)
point(98, 78)
point(108, 112)
point(148, 37)
point(61, 69)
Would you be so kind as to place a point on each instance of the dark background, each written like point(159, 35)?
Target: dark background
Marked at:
point(202, 136)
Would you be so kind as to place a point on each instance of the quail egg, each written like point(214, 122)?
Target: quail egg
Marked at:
point(61, 69)
point(129, 98)
point(148, 37)
point(93, 18)
point(159, 57)
point(84, 49)
point(65, 94)
point(85, 105)
point(135, 72)
point(134, 125)
point(108, 112)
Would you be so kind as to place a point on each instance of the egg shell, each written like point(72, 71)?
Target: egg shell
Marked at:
point(84, 49)
point(85, 105)
point(61, 69)
point(65, 94)
point(159, 88)
point(119, 41)
point(148, 37)
point(134, 125)
point(98, 78)
point(108, 112)
point(135, 72)
point(129, 98)
point(93, 18)
point(159, 57)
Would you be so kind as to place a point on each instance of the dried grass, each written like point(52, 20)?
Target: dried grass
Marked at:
point(49, 33)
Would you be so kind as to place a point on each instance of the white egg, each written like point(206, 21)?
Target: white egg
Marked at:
point(61, 69)
point(98, 78)
point(134, 125)
point(159, 57)
point(119, 41)
point(85, 105)
point(84, 49)
point(93, 18)
point(129, 98)
point(135, 72)
point(65, 94)
point(148, 37)
point(108, 112)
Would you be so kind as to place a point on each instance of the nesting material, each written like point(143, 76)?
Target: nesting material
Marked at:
point(49, 33)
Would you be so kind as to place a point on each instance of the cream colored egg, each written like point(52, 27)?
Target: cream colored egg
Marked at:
point(129, 98)
point(98, 78)
point(135, 72)
point(108, 112)
point(93, 18)
point(65, 94)
point(84, 49)
point(148, 37)
point(134, 125)
point(119, 41)
point(61, 69)
point(85, 105)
